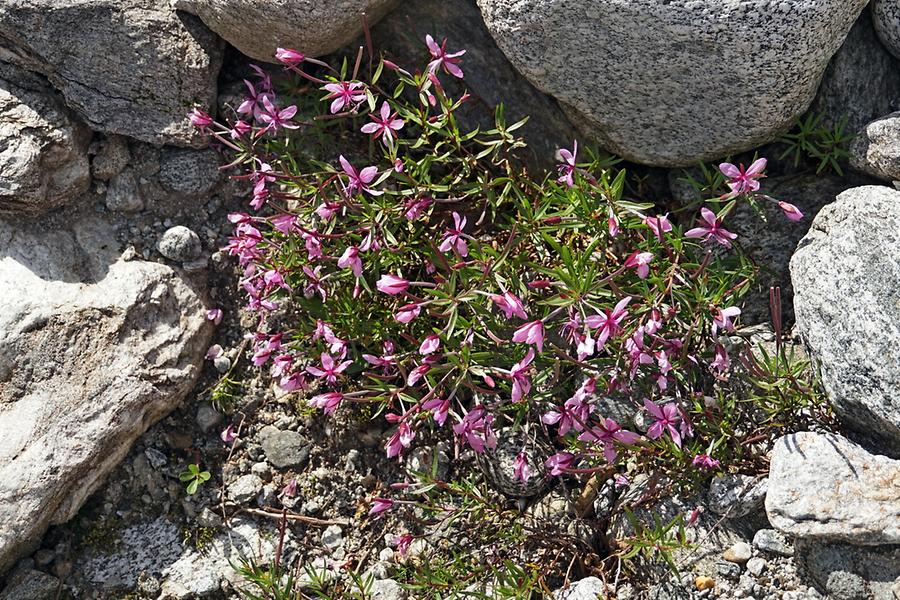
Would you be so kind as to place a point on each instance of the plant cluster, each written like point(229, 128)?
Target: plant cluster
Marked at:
point(437, 282)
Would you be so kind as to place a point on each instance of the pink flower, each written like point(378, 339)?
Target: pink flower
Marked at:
point(328, 402)
point(510, 305)
point(531, 333)
point(391, 284)
point(289, 57)
point(705, 461)
point(453, 237)
point(712, 229)
point(439, 408)
point(521, 470)
point(790, 211)
point(559, 462)
point(229, 434)
point(358, 180)
point(567, 168)
point(442, 59)
point(239, 129)
point(659, 225)
point(289, 490)
point(380, 505)
point(609, 322)
point(330, 369)
point(665, 419)
point(743, 181)
point(199, 118)
point(345, 94)
point(252, 104)
point(475, 429)
point(407, 313)
point(350, 260)
point(430, 345)
point(214, 315)
point(721, 362)
point(613, 225)
point(384, 126)
point(641, 261)
point(274, 118)
point(401, 439)
point(722, 318)
point(607, 433)
point(620, 481)
point(403, 542)
point(521, 384)
point(414, 207)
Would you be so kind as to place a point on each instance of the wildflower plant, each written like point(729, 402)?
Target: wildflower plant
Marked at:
point(434, 279)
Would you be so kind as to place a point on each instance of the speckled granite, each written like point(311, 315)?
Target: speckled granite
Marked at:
point(672, 82)
point(886, 14)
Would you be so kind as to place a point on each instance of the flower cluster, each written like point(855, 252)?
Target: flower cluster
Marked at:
point(433, 277)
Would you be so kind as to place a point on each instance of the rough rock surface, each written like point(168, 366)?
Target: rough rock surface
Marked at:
point(855, 495)
point(672, 82)
point(314, 27)
point(886, 14)
point(845, 273)
point(847, 572)
point(489, 76)
point(861, 83)
point(585, 589)
point(93, 350)
point(876, 150)
point(43, 148)
point(132, 67)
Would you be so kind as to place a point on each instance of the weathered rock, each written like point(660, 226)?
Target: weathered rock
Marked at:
point(189, 173)
point(131, 67)
point(855, 495)
point(846, 572)
point(498, 465)
point(124, 194)
point(739, 553)
point(313, 27)
point(736, 496)
point(886, 15)
point(489, 76)
point(773, 542)
point(111, 159)
point(387, 589)
point(670, 82)
point(845, 300)
point(861, 83)
point(95, 350)
point(245, 488)
point(284, 448)
point(180, 243)
point(27, 583)
point(588, 588)
point(43, 147)
point(876, 150)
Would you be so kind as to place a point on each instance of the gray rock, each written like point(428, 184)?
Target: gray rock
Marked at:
point(222, 364)
point(180, 244)
point(131, 67)
point(124, 194)
point(208, 418)
point(100, 350)
point(589, 588)
point(187, 172)
point(876, 150)
point(27, 583)
point(886, 15)
point(824, 487)
point(736, 496)
point(756, 566)
point(43, 147)
point(314, 27)
point(284, 448)
point(773, 542)
point(739, 553)
point(846, 572)
point(489, 76)
point(111, 159)
point(333, 537)
point(387, 589)
point(498, 465)
point(245, 488)
point(845, 290)
point(669, 82)
point(862, 81)
point(728, 569)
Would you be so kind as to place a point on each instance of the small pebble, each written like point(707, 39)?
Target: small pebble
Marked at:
point(738, 553)
point(756, 566)
point(180, 244)
point(332, 537)
point(728, 569)
point(704, 583)
point(769, 540)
